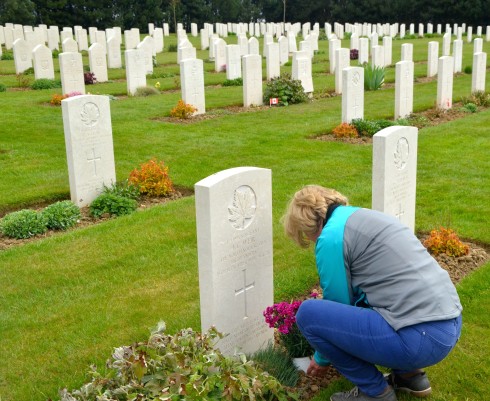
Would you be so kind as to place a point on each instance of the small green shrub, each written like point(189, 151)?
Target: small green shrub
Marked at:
point(278, 363)
point(233, 82)
point(45, 83)
point(469, 108)
point(374, 77)
point(468, 69)
point(62, 215)
point(144, 91)
point(7, 55)
point(3, 88)
point(371, 127)
point(123, 188)
point(157, 75)
point(23, 224)
point(172, 48)
point(56, 53)
point(183, 366)
point(115, 205)
point(286, 89)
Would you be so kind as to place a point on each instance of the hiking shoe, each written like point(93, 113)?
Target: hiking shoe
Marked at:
point(356, 394)
point(418, 385)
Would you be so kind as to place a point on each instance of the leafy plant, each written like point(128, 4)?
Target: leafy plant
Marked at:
point(282, 316)
point(7, 55)
point(233, 82)
point(152, 179)
point(123, 188)
point(182, 110)
point(61, 215)
point(172, 48)
point(468, 69)
point(44, 83)
point(370, 127)
point(3, 88)
point(23, 224)
point(89, 78)
point(278, 363)
point(144, 91)
point(114, 205)
point(286, 89)
point(445, 241)
point(177, 367)
point(470, 108)
point(23, 80)
point(345, 130)
point(354, 54)
point(479, 98)
point(374, 77)
point(156, 75)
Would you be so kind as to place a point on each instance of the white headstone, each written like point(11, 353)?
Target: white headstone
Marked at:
point(253, 46)
point(445, 73)
point(388, 50)
point(342, 60)
point(252, 80)
point(89, 148)
point(479, 72)
point(135, 69)
point(407, 52)
point(114, 59)
point(283, 50)
point(22, 55)
point(477, 45)
point(273, 66)
point(352, 94)
point(69, 46)
point(395, 173)
point(243, 44)
point(43, 62)
point(82, 39)
point(292, 42)
point(234, 240)
point(53, 39)
point(192, 83)
point(378, 57)
point(302, 70)
point(158, 41)
point(146, 45)
point(71, 72)
point(220, 55)
point(204, 39)
point(432, 58)
point(363, 50)
point(131, 40)
point(333, 45)
point(446, 44)
point(404, 89)
point(98, 62)
point(469, 34)
point(233, 62)
point(458, 55)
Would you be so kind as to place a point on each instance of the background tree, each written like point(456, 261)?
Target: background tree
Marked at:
point(17, 11)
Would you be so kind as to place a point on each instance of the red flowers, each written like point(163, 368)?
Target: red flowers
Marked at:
point(282, 316)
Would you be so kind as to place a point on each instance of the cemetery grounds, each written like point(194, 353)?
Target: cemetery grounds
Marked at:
point(66, 301)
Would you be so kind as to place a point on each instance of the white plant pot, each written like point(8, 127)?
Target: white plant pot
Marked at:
point(302, 363)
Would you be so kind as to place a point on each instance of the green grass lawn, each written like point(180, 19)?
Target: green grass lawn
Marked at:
point(67, 300)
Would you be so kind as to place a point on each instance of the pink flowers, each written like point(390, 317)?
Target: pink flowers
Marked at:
point(282, 316)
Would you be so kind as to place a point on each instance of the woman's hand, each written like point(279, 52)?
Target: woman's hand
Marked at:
point(316, 370)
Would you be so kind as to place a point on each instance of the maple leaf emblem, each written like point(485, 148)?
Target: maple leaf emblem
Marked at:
point(401, 153)
point(90, 114)
point(243, 208)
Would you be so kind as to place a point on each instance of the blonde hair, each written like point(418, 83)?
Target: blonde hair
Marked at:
point(306, 212)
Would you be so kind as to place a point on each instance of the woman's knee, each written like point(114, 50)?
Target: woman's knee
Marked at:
point(307, 312)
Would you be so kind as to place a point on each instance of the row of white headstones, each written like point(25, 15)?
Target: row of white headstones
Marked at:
point(234, 216)
point(244, 57)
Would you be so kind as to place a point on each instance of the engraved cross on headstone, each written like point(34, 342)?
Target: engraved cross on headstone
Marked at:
point(400, 212)
point(407, 87)
point(246, 287)
point(93, 159)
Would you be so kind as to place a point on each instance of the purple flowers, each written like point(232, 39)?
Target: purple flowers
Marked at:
point(282, 316)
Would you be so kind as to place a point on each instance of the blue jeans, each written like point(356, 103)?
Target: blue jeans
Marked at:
point(356, 339)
